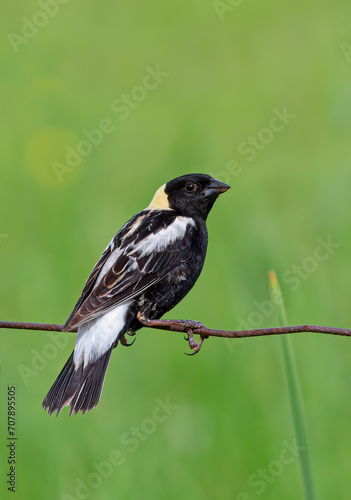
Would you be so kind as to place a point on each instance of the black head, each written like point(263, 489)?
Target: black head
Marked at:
point(190, 195)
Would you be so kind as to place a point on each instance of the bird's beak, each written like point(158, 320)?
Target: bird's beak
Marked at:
point(218, 186)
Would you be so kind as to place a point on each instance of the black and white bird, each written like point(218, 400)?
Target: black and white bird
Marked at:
point(147, 268)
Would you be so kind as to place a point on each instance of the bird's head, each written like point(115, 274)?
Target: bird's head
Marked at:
point(191, 195)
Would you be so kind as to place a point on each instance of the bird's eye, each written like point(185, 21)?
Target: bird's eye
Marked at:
point(190, 187)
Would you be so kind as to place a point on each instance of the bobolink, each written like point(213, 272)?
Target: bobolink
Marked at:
point(147, 268)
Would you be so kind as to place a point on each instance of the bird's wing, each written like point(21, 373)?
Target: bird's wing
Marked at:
point(141, 254)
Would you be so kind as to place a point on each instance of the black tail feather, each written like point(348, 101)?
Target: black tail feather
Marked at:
point(80, 389)
point(89, 390)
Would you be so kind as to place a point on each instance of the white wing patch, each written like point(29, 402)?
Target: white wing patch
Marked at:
point(160, 240)
point(96, 336)
point(152, 243)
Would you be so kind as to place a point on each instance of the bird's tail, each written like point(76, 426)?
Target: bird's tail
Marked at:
point(79, 388)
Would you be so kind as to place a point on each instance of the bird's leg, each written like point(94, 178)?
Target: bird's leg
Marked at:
point(180, 325)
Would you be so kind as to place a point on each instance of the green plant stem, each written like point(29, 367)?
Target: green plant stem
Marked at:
point(294, 392)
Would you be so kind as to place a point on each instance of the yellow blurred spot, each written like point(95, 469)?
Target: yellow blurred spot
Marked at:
point(47, 147)
point(47, 85)
point(273, 279)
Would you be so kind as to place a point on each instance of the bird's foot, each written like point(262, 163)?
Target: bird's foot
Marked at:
point(179, 325)
point(194, 346)
point(125, 342)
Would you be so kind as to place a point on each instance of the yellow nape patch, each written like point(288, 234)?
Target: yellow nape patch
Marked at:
point(160, 200)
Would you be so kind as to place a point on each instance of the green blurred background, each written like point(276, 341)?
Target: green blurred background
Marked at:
point(228, 68)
